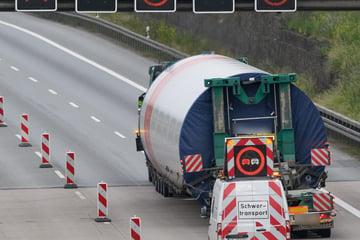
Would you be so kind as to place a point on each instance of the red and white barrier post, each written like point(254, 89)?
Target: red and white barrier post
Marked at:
point(135, 228)
point(45, 151)
point(102, 203)
point(2, 119)
point(70, 170)
point(25, 132)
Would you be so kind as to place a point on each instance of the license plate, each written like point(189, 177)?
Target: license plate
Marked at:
point(308, 219)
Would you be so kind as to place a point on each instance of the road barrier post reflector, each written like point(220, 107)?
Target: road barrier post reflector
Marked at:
point(2, 119)
point(70, 170)
point(102, 203)
point(135, 228)
point(45, 151)
point(25, 132)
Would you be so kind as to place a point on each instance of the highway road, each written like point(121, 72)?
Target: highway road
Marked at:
point(83, 89)
point(75, 92)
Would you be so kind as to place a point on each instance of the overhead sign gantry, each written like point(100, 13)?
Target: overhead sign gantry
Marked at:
point(197, 6)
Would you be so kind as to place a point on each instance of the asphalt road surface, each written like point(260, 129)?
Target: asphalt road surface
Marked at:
point(83, 89)
point(74, 91)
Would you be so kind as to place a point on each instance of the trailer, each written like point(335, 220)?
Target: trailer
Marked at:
point(194, 106)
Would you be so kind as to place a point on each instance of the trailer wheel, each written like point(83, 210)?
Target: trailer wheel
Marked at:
point(157, 184)
point(166, 189)
point(326, 233)
point(149, 175)
point(161, 186)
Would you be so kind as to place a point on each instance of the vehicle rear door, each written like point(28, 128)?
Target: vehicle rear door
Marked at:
point(270, 223)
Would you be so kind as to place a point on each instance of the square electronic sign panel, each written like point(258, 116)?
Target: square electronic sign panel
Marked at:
point(275, 5)
point(213, 6)
point(98, 6)
point(35, 5)
point(155, 5)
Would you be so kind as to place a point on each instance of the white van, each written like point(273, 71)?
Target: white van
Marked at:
point(249, 209)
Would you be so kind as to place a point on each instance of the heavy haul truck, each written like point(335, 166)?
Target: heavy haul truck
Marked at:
point(211, 118)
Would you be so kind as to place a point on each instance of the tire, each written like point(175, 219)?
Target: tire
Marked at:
point(166, 189)
point(149, 175)
point(161, 186)
point(326, 233)
point(157, 184)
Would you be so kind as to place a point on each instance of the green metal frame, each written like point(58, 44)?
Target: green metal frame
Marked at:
point(285, 137)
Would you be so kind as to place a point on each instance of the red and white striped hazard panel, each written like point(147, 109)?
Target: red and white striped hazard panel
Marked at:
point(319, 157)
point(193, 163)
point(250, 156)
point(135, 228)
point(322, 201)
point(277, 213)
point(229, 216)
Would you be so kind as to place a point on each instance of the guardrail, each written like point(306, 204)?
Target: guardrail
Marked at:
point(133, 40)
point(333, 121)
point(340, 123)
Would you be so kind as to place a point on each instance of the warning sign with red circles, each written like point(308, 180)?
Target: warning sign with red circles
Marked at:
point(250, 160)
point(275, 5)
point(155, 5)
point(248, 157)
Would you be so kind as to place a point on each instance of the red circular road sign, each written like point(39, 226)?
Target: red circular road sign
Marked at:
point(239, 165)
point(275, 3)
point(154, 3)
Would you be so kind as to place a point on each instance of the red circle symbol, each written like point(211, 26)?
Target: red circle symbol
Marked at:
point(270, 2)
point(262, 161)
point(155, 4)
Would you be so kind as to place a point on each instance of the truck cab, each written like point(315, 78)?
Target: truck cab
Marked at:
point(249, 208)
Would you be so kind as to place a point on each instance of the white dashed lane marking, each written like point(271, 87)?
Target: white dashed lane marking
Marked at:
point(80, 195)
point(33, 79)
point(74, 105)
point(95, 119)
point(60, 175)
point(52, 91)
point(14, 68)
point(119, 134)
point(38, 154)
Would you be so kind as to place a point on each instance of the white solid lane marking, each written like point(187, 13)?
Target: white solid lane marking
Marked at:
point(60, 175)
point(344, 205)
point(33, 79)
point(52, 91)
point(76, 55)
point(38, 154)
point(347, 206)
point(14, 68)
point(95, 119)
point(18, 136)
point(119, 134)
point(73, 105)
point(80, 195)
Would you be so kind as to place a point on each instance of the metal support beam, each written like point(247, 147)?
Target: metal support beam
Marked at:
point(240, 5)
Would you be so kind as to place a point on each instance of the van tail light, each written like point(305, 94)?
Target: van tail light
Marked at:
point(288, 230)
point(219, 231)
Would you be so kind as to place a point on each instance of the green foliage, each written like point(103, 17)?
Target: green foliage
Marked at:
point(307, 84)
point(342, 30)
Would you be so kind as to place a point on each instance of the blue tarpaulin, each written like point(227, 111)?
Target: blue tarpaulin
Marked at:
point(197, 131)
